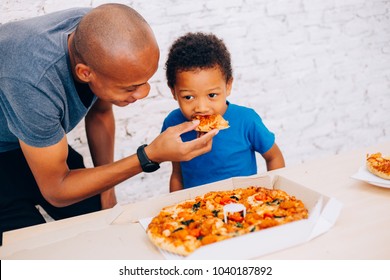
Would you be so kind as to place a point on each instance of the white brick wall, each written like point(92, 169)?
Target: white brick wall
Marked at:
point(317, 71)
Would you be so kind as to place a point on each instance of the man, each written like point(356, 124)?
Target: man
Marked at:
point(55, 70)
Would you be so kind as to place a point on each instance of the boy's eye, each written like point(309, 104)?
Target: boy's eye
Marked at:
point(188, 97)
point(212, 95)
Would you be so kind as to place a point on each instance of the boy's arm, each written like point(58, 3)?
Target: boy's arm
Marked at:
point(274, 158)
point(176, 181)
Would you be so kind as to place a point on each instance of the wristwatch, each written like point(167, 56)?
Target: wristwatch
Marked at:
point(146, 164)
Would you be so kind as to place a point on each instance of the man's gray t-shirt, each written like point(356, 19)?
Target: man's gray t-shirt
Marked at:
point(39, 103)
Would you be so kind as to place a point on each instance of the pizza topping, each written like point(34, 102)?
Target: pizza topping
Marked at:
point(215, 212)
point(196, 206)
point(226, 200)
point(180, 228)
point(236, 217)
point(186, 223)
point(276, 201)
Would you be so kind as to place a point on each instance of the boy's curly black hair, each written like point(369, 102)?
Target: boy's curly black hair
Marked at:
point(197, 51)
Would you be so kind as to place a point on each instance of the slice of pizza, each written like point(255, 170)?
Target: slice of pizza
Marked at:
point(210, 122)
point(379, 165)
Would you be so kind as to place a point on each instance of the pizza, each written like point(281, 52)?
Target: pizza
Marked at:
point(210, 122)
point(379, 165)
point(184, 227)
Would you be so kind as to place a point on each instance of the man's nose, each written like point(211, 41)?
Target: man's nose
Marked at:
point(142, 92)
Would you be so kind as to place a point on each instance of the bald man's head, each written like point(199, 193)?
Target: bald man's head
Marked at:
point(109, 33)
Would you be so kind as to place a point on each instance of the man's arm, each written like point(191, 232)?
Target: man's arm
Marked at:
point(100, 129)
point(62, 187)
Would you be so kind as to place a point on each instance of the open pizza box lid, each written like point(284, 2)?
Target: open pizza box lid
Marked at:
point(323, 213)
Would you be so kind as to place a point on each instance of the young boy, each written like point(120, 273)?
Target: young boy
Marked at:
point(199, 74)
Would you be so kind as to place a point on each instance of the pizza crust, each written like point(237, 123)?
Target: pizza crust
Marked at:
point(162, 243)
point(378, 165)
point(210, 122)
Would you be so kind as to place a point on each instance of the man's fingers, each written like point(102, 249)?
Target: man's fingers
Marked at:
point(201, 145)
point(206, 137)
point(169, 147)
point(186, 126)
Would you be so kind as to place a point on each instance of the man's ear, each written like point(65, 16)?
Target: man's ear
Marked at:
point(83, 72)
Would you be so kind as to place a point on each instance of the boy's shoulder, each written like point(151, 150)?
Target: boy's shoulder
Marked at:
point(175, 114)
point(235, 109)
point(173, 118)
point(238, 107)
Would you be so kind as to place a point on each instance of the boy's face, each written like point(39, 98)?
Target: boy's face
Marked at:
point(201, 92)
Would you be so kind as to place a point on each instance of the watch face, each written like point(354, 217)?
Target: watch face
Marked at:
point(150, 167)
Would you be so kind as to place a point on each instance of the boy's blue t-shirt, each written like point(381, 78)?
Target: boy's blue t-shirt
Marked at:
point(39, 103)
point(233, 151)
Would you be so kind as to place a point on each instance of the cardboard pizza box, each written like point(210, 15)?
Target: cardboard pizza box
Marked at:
point(323, 213)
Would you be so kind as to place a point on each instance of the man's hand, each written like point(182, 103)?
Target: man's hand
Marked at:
point(168, 146)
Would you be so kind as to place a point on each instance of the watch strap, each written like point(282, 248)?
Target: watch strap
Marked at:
point(146, 164)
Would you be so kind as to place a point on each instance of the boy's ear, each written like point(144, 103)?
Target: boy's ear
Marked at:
point(83, 72)
point(229, 85)
point(173, 92)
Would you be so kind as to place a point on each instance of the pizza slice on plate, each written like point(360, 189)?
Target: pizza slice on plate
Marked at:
point(378, 165)
point(210, 122)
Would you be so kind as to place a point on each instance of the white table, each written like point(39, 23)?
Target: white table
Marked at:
point(362, 230)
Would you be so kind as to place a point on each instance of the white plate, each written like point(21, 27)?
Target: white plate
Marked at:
point(364, 175)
